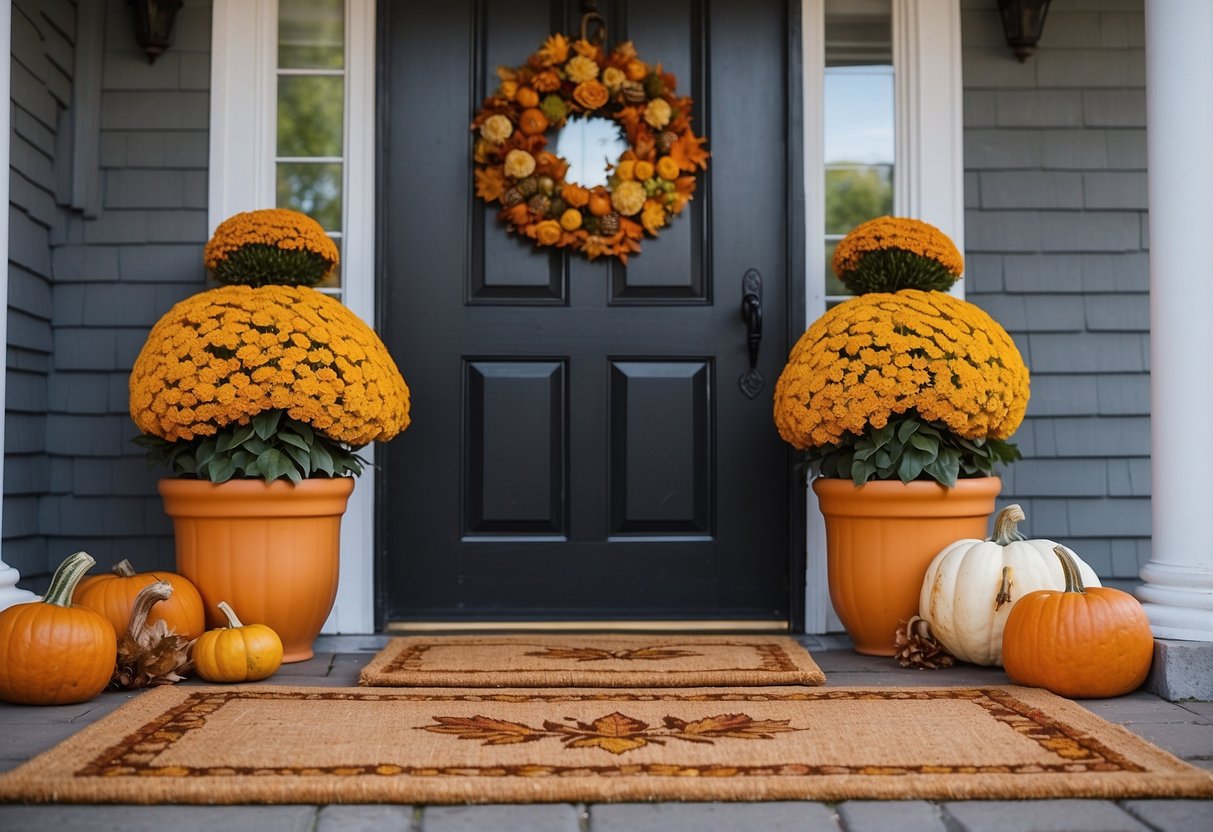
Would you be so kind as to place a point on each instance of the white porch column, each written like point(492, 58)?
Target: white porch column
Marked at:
point(1178, 589)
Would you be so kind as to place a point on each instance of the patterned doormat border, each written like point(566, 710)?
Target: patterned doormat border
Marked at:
point(266, 744)
point(591, 660)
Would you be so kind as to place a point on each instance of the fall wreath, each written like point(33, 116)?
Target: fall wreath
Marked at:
point(650, 183)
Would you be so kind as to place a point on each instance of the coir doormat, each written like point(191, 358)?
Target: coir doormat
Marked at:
point(264, 744)
point(591, 660)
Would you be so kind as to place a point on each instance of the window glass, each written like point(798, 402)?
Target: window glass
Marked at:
point(311, 34)
point(314, 188)
point(310, 110)
point(858, 119)
point(310, 164)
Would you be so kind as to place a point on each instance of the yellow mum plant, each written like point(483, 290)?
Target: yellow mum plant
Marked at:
point(271, 245)
point(891, 253)
point(912, 384)
point(270, 381)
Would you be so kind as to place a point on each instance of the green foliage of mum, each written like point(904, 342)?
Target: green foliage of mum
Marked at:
point(271, 446)
point(909, 448)
point(892, 270)
point(256, 264)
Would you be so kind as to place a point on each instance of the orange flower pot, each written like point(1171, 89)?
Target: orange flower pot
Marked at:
point(270, 550)
point(880, 539)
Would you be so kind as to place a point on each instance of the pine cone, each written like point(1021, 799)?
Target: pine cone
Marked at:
point(539, 204)
point(528, 186)
point(150, 655)
point(665, 141)
point(633, 92)
point(511, 197)
point(917, 647)
point(608, 224)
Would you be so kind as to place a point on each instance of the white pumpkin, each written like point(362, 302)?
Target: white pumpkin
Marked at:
point(971, 585)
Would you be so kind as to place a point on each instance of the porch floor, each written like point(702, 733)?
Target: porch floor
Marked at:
point(1183, 728)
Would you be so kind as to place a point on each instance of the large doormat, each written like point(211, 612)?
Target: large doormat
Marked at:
point(591, 660)
point(264, 744)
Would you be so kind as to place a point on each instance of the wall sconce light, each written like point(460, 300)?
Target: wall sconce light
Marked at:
point(154, 25)
point(1022, 22)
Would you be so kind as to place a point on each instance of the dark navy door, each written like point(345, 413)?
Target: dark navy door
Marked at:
point(581, 448)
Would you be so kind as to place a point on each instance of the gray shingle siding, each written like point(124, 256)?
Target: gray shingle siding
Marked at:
point(1055, 230)
point(83, 291)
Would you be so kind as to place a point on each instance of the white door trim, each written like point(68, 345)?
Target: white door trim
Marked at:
point(928, 181)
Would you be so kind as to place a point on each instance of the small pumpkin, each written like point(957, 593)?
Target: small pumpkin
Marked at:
point(971, 586)
point(1084, 643)
point(114, 597)
point(238, 652)
point(54, 653)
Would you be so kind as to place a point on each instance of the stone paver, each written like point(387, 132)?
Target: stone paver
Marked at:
point(158, 818)
point(537, 817)
point(1181, 739)
point(884, 815)
point(368, 819)
point(1040, 816)
point(1172, 815)
point(712, 817)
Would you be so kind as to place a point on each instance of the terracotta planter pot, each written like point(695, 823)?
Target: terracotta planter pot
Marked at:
point(269, 550)
point(880, 539)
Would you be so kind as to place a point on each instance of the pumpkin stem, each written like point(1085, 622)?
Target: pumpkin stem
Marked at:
point(1004, 589)
point(232, 620)
point(66, 577)
point(123, 569)
point(147, 598)
point(1070, 569)
point(1006, 525)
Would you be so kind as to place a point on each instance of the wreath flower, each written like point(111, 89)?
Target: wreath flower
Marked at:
point(650, 184)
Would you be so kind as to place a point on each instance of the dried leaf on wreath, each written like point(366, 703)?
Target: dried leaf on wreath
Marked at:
point(917, 647)
point(490, 184)
point(688, 153)
point(150, 655)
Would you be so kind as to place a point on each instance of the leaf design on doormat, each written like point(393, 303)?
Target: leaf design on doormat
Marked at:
point(616, 732)
point(597, 654)
point(491, 731)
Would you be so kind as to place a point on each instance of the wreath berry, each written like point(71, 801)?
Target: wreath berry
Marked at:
point(650, 183)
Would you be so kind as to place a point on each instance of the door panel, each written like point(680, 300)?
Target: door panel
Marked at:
point(580, 446)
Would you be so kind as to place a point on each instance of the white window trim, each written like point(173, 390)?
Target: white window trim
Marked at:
point(928, 180)
point(244, 109)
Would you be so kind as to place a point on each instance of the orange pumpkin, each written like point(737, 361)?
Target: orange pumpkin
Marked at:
point(527, 97)
point(532, 121)
point(238, 652)
point(1081, 643)
point(114, 597)
point(53, 653)
point(600, 203)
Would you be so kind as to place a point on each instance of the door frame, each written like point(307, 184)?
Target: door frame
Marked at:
point(929, 186)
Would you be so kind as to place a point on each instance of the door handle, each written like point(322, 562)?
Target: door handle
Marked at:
point(751, 381)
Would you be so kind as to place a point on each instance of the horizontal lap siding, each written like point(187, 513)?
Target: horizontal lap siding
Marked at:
point(1055, 195)
point(90, 286)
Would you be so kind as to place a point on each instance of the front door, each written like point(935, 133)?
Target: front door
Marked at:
point(581, 448)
